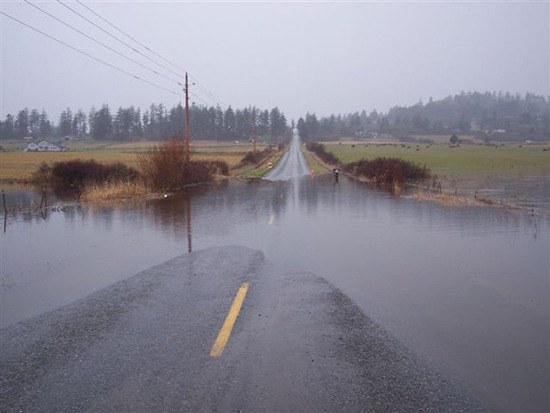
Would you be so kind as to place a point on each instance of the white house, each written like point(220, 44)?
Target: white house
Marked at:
point(44, 146)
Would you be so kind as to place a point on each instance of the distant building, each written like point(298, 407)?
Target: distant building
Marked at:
point(44, 146)
point(28, 138)
point(31, 147)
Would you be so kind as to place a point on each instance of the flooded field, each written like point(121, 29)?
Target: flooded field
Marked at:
point(466, 288)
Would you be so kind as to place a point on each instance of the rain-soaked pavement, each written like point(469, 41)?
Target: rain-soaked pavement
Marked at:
point(358, 301)
point(143, 345)
point(292, 165)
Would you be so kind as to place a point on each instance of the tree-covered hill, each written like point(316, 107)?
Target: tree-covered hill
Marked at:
point(498, 116)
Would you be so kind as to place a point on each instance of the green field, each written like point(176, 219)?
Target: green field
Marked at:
point(471, 160)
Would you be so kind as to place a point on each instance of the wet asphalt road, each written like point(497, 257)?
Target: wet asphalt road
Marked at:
point(292, 165)
point(143, 344)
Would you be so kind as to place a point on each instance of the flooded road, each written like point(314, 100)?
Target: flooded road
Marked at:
point(467, 289)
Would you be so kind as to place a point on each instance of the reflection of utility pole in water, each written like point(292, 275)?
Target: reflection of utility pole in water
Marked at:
point(187, 212)
point(5, 211)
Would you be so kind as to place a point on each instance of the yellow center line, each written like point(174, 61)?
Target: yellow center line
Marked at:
point(229, 322)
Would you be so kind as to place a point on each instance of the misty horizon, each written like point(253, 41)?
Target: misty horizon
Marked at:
point(86, 110)
point(322, 58)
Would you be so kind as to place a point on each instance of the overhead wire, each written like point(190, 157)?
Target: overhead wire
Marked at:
point(198, 98)
point(180, 69)
point(87, 54)
point(126, 34)
point(101, 43)
point(116, 38)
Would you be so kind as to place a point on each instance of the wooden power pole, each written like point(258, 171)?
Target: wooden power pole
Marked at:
point(187, 142)
point(254, 134)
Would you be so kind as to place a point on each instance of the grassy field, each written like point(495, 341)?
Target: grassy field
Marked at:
point(315, 164)
point(466, 160)
point(463, 160)
point(17, 165)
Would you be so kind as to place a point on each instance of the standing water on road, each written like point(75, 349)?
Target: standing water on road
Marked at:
point(466, 288)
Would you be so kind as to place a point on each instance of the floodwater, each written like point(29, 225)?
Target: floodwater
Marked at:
point(466, 288)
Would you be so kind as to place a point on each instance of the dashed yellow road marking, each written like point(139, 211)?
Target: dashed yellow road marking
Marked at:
point(229, 322)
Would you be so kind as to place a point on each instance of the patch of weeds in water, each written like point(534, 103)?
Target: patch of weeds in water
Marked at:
point(390, 173)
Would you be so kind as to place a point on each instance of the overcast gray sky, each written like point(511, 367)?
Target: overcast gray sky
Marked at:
point(317, 57)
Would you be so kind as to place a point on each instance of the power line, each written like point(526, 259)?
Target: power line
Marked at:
point(100, 43)
point(126, 34)
point(198, 98)
point(182, 70)
point(87, 54)
point(117, 38)
point(207, 92)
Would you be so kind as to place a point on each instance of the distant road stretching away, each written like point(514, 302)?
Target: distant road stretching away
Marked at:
point(292, 164)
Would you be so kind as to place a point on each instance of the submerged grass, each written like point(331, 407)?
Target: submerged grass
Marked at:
point(114, 191)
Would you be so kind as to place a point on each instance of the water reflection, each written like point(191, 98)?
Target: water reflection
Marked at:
point(466, 288)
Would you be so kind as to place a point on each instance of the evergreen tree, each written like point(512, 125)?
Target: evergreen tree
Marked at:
point(34, 123)
point(22, 123)
point(80, 126)
point(65, 122)
point(263, 123)
point(101, 123)
point(45, 129)
point(8, 128)
point(229, 124)
point(302, 129)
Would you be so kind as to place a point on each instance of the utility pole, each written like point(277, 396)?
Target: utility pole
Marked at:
point(254, 137)
point(187, 142)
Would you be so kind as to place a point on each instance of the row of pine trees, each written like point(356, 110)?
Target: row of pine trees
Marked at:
point(156, 123)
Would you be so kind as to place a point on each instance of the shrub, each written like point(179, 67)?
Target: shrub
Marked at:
point(43, 175)
point(196, 172)
point(81, 173)
point(389, 172)
point(164, 169)
point(254, 158)
point(218, 168)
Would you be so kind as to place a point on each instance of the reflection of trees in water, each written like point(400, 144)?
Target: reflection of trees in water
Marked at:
point(215, 209)
point(365, 202)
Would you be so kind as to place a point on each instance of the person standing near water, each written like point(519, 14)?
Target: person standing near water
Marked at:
point(336, 172)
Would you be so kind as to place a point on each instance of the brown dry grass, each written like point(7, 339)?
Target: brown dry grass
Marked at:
point(19, 166)
point(231, 159)
point(114, 191)
point(455, 200)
